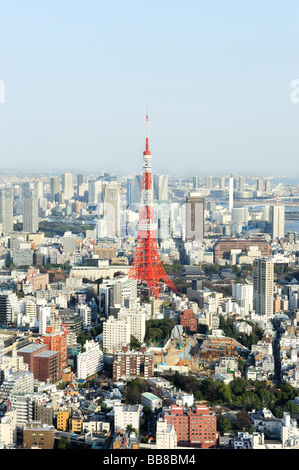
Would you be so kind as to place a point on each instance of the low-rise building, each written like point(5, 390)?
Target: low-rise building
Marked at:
point(127, 415)
point(166, 437)
point(38, 436)
point(151, 400)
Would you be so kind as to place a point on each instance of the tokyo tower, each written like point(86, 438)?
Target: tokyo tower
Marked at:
point(147, 266)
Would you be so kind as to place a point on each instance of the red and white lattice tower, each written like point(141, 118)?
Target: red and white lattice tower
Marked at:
point(147, 266)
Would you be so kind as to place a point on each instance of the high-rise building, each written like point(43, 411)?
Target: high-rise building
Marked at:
point(241, 183)
point(195, 205)
point(9, 308)
point(160, 187)
point(95, 191)
point(6, 210)
point(239, 215)
point(68, 185)
point(230, 194)
point(277, 221)
point(30, 210)
point(130, 183)
point(111, 207)
point(209, 182)
point(137, 189)
point(263, 283)
point(54, 187)
point(195, 182)
point(267, 187)
point(221, 183)
point(80, 180)
point(260, 185)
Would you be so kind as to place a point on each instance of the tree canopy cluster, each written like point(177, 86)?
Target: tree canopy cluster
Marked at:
point(241, 394)
point(247, 340)
point(158, 330)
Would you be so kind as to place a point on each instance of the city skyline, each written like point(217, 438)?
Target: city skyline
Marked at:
point(217, 80)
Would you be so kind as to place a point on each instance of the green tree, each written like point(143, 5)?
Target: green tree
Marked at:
point(224, 424)
point(292, 408)
point(277, 412)
point(224, 393)
point(238, 386)
point(134, 343)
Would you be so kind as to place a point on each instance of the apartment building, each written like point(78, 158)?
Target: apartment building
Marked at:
point(116, 333)
point(188, 320)
point(137, 322)
point(194, 427)
point(129, 364)
point(90, 361)
point(127, 415)
point(166, 437)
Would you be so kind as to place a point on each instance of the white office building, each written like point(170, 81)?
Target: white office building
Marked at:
point(68, 185)
point(8, 428)
point(90, 361)
point(137, 322)
point(166, 437)
point(44, 317)
point(127, 415)
point(243, 293)
point(6, 209)
point(23, 403)
point(85, 312)
point(116, 333)
point(277, 221)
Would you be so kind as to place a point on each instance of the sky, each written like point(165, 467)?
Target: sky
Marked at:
point(76, 78)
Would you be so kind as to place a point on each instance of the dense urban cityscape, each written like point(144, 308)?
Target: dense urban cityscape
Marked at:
point(149, 312)
point(149, 220)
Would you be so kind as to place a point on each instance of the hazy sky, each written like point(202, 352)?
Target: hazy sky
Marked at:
point(216, 76)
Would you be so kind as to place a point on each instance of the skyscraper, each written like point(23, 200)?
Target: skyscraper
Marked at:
point(30, 210)
point(68, 185)
point(54, 187)
point(6, 210)
point(95, 191)
point(137, 189)
point(111, 201)
point(160, 187)
point(230, 194)
point(263, 283)
point(195, 205)
point(129, 191)
point(260, 185)
point(277, 221)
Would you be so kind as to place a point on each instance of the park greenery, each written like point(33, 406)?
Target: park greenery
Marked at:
point(158, 330)
point(241, 394)
point(246, 340)
point(53, 228)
